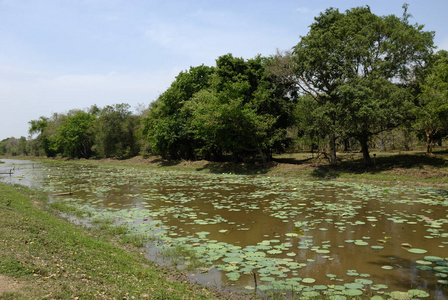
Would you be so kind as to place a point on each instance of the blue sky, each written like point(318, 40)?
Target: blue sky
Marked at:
point(58, 55)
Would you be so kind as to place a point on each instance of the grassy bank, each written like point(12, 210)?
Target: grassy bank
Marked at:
point(44, 257)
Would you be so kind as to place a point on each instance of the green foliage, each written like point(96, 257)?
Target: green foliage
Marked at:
point(114, 131)
point(108, 132)
point(167, 125)
point(46, 128)
point(235, 108)
point(74, 135)
point(351, 62)
point(432, 106)
point(13, 147)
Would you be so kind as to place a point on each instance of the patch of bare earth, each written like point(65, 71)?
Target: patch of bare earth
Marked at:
point(9, 285)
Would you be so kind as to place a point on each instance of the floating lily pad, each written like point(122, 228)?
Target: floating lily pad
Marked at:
point(433, 258)
point(423, 262)
point(400, 295)
point(361, 243)
point(308, 280)
point(417, 251)
point(354, 285)
point(352, 292)
point(418, 293)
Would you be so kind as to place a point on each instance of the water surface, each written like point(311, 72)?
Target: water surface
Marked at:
point(310, 236)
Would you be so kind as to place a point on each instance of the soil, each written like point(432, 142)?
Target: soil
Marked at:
point(9, 285)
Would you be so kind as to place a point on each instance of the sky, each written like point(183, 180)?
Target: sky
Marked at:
point(58, 55)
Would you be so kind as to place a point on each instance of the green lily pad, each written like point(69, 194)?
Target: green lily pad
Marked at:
point(361, 243)
point(423, 262)
point(352, 292)
point(308, 280)
point(433, 258)
point(400, 295)
point(417, 251)
point(418, 293)
point(354, 285)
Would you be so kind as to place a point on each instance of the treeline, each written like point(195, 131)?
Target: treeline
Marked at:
point(353, 81)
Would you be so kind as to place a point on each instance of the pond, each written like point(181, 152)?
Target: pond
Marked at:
point(297, 236)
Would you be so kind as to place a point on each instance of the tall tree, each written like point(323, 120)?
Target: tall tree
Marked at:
point(354, 64)
point(167, 126)
point(114, 131)
point(46, 130)
point(75, 135)
point(432, 107)
point(243, 112)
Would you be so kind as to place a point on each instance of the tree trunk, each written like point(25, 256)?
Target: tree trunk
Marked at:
point(383, 142)
point(332, 149)
point(429, 134)
point(365, 151)
point(346, 145)
point(263, 157)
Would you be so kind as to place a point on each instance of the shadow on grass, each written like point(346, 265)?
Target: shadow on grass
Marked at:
point(381, 164)
point(236, 168)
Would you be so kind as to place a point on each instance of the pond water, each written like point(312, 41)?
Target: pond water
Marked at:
point(309, 237)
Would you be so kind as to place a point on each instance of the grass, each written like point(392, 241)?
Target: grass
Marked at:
point(56, 260)
point(390, 167)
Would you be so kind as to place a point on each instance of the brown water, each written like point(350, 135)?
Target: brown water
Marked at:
point(331, 232)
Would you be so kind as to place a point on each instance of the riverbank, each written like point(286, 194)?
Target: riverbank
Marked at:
point(392, 167)
point(44, 257)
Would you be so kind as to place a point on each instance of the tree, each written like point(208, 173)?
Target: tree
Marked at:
point(114, 132)
point(243, 112)
point(74, 136)
point(46, 128)
point(432, 106)
point(167, 126)
point(354, 65)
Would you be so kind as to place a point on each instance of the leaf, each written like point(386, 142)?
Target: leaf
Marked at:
point(308, 280)
point(417, 251)
point(418, 293)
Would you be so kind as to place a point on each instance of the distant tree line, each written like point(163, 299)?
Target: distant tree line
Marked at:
point(354, 81)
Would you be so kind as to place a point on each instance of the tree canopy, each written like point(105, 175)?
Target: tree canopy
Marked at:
point(234, 108)
point(355, 65)
point(432, 105)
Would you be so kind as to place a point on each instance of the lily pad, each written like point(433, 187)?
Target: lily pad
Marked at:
point(433, 258)
point(308, 280)
point(418, 293)
point(352, 292)
point(417, 251)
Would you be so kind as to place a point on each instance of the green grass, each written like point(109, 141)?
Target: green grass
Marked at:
point(55, 259)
